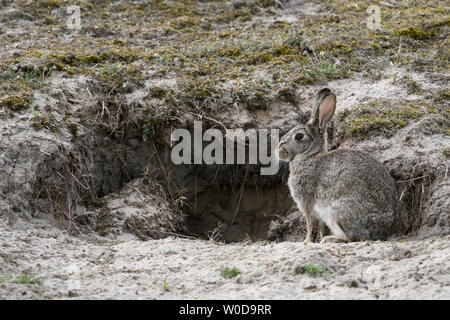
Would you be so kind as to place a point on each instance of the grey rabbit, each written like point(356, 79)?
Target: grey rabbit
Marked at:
point(343, 192)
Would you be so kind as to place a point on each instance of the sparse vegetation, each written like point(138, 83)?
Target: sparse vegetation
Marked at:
point(229, 273)
point(311, 270)
point(27, 279)
point(207, 46)
point(22, 279)
point(164, 285)
point(41, 121)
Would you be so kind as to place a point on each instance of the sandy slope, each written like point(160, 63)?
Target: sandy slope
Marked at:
point(70, 267)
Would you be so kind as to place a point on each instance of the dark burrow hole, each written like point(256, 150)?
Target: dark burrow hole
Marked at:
point(226, 210)
point(230, 202)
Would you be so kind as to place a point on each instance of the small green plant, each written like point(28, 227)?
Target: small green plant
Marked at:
point(228, 273)
point(111, 69)
point(40, 121)
point(164, 286)
point(8, 75)
point(23, 279)
point(29, 75)
point(323, 68)
point(311, 270)
point(297, 41)
point(27, 279)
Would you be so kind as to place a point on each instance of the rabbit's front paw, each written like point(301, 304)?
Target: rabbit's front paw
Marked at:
point(308, 240)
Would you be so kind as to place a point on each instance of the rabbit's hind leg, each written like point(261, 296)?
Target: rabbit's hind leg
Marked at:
point(333, 239)
point(337, 234)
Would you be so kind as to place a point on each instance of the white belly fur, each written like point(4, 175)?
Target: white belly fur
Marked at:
point(323, 213)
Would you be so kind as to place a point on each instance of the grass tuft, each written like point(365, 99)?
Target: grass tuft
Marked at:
point(228, 273)
point(311, 270)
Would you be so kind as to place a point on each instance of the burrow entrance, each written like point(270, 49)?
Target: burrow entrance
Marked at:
point(222, 202)
point(231, 202)
point(236, 216)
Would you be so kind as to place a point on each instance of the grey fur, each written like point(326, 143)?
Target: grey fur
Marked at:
point(348, 191)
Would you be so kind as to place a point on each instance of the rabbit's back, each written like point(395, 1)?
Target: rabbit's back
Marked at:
point(353, 187)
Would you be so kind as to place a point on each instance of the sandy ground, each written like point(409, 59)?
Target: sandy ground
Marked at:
point(74, 268)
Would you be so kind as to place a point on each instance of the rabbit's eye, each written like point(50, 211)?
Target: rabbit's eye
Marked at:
point(299, 136)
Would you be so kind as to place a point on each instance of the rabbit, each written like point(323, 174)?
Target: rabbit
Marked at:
point(346, 194)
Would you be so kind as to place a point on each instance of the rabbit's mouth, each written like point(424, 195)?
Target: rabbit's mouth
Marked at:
point(282, 153)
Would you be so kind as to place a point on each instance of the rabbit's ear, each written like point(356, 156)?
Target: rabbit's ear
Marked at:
point(322, 93)
point(326, 109)
point(315, 108)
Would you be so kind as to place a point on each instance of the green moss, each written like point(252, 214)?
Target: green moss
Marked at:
point(119, 79)
point(279, 25)
point(15, 103)
point(283, 50)
point(322, 70)
point(158, 116)
point(334, 46)
point(232, 52)
point(442, 95)
point(414, 33)
point(288, 95)
point(259, 57)
point(266, 3)
point(157, 92)
point(196, 92)
point(379, 116)
point(49, 3)
point(22, 279)
point(257, 100)
point(114, 54)
point(185, 22)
